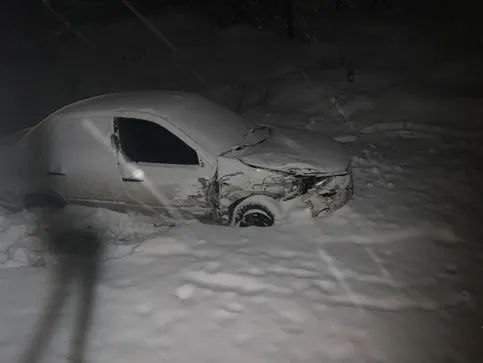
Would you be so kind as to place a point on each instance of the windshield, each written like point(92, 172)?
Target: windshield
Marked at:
point(218, 129)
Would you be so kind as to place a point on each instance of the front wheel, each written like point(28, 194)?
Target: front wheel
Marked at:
point(255, 215)
point(257, 211)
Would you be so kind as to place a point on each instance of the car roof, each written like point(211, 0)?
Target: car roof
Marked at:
point(135, 101)
point(212, 126)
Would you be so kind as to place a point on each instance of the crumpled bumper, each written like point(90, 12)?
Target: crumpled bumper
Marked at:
point(329, 194)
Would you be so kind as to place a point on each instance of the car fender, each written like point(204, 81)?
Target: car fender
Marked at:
point(236, 181)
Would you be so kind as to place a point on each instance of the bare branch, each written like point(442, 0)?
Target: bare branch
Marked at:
point(66, 22)
point(150, 25)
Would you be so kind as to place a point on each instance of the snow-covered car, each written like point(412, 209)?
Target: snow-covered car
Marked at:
point(172, 152)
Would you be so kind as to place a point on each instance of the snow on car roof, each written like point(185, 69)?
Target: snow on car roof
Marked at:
point(214, 127)
point(136, 100)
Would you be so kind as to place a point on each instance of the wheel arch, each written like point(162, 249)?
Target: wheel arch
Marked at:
point(268, 201)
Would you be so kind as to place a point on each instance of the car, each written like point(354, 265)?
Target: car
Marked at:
point(172, 153)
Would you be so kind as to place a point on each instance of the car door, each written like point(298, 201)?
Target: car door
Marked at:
point(161, 169)
point(81, 164)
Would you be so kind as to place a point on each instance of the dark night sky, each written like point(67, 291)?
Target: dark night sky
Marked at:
point(32, 38)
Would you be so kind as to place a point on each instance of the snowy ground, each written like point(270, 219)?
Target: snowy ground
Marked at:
point(394, 276)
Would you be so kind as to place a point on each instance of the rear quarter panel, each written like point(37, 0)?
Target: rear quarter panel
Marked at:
point(21, 163)
point(80, 147)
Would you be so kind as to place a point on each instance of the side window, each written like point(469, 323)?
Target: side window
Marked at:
point(146, 141)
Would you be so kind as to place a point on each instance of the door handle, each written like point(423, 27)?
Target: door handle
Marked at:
point(133, 176)
point(55, 173)
point(132, 180)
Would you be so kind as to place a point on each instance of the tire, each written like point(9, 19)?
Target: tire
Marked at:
point(254, 215)
point(257, 211)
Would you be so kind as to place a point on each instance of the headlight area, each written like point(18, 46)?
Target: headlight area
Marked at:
point(324, 194)
point(321, 193)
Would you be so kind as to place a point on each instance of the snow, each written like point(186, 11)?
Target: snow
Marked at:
point(393, 276)
point(289, 298)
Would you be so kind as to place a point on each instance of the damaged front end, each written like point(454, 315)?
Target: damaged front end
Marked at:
point(326, 193)
point(235, 180)
point(320, 191)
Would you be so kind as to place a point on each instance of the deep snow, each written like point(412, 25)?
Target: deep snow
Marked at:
point(394, 276)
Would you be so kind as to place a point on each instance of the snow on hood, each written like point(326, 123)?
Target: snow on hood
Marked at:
point(289, 150)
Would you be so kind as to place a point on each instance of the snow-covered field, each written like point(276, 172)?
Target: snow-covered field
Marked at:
point(394, 276)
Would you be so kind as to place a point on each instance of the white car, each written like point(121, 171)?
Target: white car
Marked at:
point(171, 152)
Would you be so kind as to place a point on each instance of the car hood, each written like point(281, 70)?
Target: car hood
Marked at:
point(297, 151)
